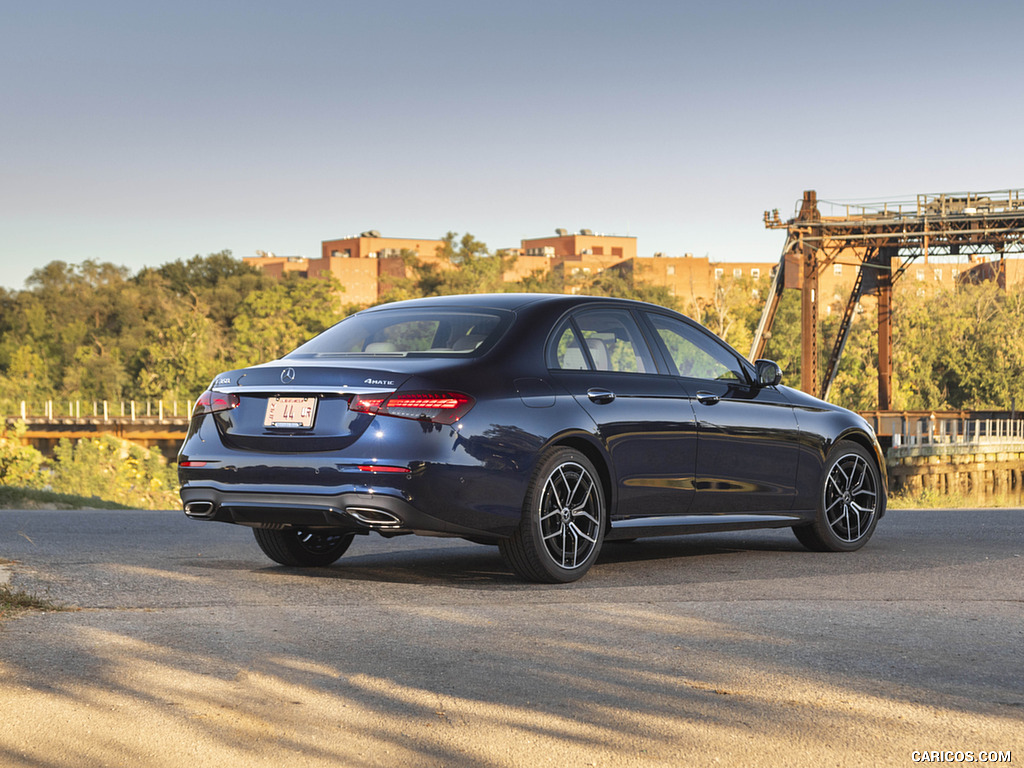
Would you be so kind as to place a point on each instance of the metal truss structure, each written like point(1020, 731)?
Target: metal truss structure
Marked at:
point(881, 240)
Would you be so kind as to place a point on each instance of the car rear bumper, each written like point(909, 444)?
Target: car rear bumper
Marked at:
point(389, 515)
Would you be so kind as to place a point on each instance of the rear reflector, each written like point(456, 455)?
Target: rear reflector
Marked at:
point(435, 407)
point(383, 468)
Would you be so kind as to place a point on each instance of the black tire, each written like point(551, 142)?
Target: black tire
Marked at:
point(302, 549)
point(563, 522)
point(850, 502)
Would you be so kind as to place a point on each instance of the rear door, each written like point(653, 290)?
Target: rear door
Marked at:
point(601, 357)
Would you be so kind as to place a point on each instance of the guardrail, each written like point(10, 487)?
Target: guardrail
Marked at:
point(131, 410)
point(918, 428)
point(962, 432)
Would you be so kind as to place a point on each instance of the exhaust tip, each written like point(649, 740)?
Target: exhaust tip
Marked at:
point(199, 509)
point(375, 518)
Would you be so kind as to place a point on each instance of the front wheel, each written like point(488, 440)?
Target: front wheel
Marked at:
point(564, 516)
point(302, 549)
point(850, 501)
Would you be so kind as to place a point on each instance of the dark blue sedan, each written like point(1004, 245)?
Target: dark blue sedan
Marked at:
point(545, 424)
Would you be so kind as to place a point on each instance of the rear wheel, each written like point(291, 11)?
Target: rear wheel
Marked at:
point(302, 549)
point(564, 515)
point(849, 502)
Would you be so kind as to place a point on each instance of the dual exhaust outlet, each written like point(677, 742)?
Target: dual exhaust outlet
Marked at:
point(199, 509)
point(370, 516)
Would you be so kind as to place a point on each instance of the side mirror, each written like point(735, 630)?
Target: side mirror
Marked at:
point(768, 373)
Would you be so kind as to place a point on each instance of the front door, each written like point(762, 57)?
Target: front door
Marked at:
point(748, 439)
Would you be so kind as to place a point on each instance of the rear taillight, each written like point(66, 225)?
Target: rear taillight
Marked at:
point(435, 407)
point(212, 402)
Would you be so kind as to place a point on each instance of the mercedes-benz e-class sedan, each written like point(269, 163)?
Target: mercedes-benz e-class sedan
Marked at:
point(545, 424)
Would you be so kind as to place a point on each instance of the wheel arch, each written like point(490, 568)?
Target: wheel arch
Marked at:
point(586, 445)
point(871, 445)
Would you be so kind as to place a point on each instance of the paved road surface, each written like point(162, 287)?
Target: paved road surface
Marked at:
point(191, 649)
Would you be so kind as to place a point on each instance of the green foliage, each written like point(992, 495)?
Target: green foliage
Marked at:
point(960, 349)
point(612, 282)
point(783, 345)
point(474, 269)
point(115, 470)
point(14, 497)
point(14, 601)
point(20, 465)
point(734, 309)
point(274, 320)
point(539, 281)
point(94, 332)
point(855, 385)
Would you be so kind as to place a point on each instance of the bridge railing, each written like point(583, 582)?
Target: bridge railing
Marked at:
point(919, 428)
point(103, 410)
point(967, 432)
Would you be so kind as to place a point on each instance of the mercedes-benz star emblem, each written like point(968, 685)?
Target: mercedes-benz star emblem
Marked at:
point(287, 375)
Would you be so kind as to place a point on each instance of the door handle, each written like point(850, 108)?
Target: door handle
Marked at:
point(707, 398)
point(601, 396)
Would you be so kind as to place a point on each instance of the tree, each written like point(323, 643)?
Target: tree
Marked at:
point(116, 470)
point(734, 309)
point(613, 282)
point(474, 269)
point(276, 319)
point(20, 465)
point(218, 281)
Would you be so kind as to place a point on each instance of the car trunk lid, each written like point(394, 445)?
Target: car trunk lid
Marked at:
point(299, 407)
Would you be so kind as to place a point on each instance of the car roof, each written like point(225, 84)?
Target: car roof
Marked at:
point(506, 301)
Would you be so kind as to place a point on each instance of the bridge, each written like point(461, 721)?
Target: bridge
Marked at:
point(149, 424)
point(881, 241)
point(953, 453)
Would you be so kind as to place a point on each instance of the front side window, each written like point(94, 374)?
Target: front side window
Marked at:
point(694, 354)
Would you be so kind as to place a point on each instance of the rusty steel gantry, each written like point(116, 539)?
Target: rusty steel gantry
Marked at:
point(881, 240)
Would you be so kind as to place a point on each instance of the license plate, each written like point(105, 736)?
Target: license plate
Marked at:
point(294, 412)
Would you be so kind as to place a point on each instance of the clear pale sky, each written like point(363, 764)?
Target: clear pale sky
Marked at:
point(140, 133)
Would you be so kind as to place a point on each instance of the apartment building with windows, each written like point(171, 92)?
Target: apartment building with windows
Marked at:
point(364, 264)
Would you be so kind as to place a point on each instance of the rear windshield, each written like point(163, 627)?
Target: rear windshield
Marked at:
point(409, 332)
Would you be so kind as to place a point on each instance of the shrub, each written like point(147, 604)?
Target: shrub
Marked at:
point(20, 465)
point(115, 470)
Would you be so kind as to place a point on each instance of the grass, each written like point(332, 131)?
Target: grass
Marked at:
point(27, 498)
point(929, 498)
point(15, 601)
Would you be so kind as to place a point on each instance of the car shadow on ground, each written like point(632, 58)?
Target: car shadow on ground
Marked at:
point(724, 557)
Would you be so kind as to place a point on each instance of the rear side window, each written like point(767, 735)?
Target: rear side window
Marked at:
point(568, 352)
point(602, 340)
point(409, 332)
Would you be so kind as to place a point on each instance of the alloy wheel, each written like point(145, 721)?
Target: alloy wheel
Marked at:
point(569, 515)
point(851, 498)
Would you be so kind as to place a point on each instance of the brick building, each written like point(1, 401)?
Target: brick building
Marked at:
point(364, 263)
point(278, 266)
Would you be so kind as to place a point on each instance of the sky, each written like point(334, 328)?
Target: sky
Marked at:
point(140, 133)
